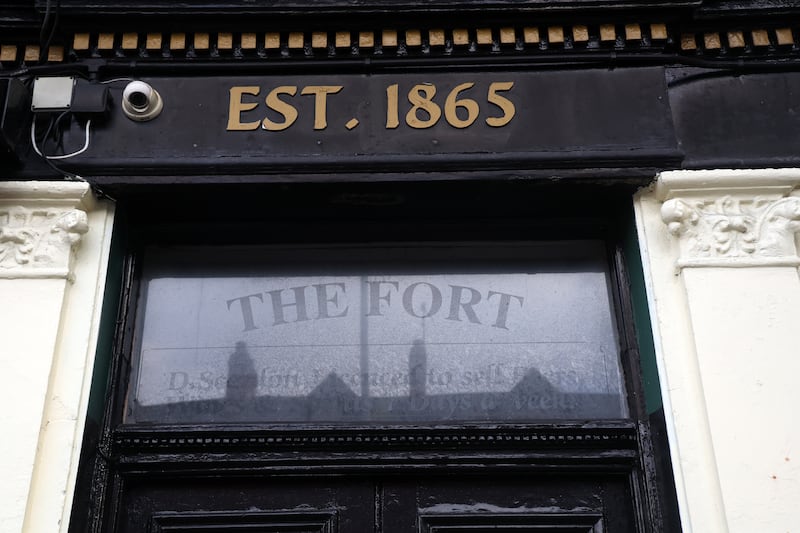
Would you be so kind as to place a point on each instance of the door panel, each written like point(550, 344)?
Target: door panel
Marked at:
point(388, 504)
point(220, 522)
point(483, 503)
point(514, 522)
point(274, 504)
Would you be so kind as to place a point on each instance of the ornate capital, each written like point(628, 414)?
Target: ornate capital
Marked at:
point(40, 228)
point(732, 218)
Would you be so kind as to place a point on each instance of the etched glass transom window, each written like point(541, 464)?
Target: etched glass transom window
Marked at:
point(426, 333)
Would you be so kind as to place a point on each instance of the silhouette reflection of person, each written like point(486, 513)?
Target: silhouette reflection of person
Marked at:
point(242, 377)
point(417, 369)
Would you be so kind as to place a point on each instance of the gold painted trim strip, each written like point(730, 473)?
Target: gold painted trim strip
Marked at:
point(784, 36)
point(105, 41)
point(177, 41)
point(201, 41)
point(508, 36)
point(80, 41)
point(436, 37)
point(460, 37)
point(413, 38)
point(531, 35)
point(608, 32)
point(762, 40)
point(55, 54)
point(342, 39)
point(248, 41)
point(389, 38)
point(8, 53)
point(225, 41)
point(366, 39)
point(555, 34)
point(736, 39)
point(272, 41)
point(711, 41)
point(32, 52)
point(633, 32)
point(153, 41)
point(296, 40)
point(319, 39)
point(580, 34)
point(659, 32)
point(130, 41)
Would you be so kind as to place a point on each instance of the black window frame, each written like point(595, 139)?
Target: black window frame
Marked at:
point(399, 258)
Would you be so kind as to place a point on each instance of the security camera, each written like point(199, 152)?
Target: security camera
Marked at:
point(140, 102)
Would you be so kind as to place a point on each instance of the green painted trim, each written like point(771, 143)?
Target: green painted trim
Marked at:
point(107, 329)
point(641, 316)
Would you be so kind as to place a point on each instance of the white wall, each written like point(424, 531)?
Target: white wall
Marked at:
point(720, 255)
point(54, 244)
point(721, 259)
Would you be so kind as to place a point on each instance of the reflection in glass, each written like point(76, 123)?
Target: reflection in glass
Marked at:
point(533, 343)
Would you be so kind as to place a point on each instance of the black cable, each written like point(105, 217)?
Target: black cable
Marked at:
point(42, 32)
point(100, 193)
point(55, 123)
point(55, 128)
point(46, 134)
point(43, 143)
point(63, 173)
point(58, 133)
point(45, 70)
point(54, 25)
point(45, 21)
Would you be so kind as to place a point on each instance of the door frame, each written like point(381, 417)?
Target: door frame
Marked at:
point(616, 448)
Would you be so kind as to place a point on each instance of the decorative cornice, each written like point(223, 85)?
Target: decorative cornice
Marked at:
point(40, 227)
point(341, 42)
point(732, 218)
point(528, 37)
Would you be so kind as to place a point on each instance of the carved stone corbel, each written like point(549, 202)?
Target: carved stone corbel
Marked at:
point(40, 229)
point(733, 219)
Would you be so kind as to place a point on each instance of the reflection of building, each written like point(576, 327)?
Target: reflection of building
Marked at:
point(532, 398)
point(619, 96)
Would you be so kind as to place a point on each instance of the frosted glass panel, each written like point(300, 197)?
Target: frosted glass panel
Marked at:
point(450, 337)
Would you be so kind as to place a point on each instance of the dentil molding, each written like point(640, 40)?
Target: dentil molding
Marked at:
point(41, 225)
point(732, 218)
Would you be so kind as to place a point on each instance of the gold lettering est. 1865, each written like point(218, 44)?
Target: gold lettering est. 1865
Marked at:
point(282, 107)
point(460, 109)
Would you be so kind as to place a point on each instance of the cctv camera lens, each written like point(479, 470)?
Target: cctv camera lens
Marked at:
point(138, 100)
point(141, 102)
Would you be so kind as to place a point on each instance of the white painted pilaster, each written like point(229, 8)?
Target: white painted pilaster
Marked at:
point(720, 251)
point(54, 243)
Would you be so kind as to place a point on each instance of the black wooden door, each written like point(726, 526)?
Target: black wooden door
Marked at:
point(581, 477)
point(424, 503)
